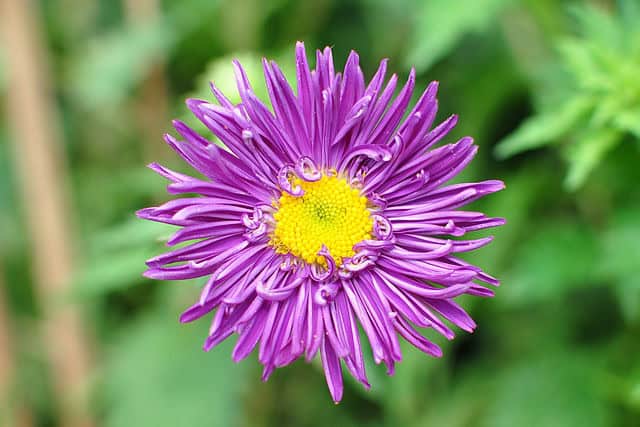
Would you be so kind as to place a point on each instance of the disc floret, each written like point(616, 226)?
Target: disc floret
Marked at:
point(329, 212)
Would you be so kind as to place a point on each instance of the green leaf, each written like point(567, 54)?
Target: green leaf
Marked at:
point(554, 389)
point(117, 255)
point(630, 13)
point(589, 66)
point(556, 257)
point(157, 375)
point(627, 291)
point(441, 24)
point(585, 154)
point(598, 25)
point(528, 187)
point(493, 85)
point(402, 395)
point(551, 388)
point(221, 73)
point(634, 396)
point(115, 63)
point(131, 233)
point(460, 405)
point(118, 270)
point(545, 128)
point(621, 244)
point(628, 121)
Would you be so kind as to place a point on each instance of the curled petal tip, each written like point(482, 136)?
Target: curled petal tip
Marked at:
point(169, 139)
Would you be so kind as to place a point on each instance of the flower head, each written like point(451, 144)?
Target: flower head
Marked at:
point(326, 215)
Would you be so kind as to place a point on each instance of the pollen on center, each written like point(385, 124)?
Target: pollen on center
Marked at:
point(330, 213)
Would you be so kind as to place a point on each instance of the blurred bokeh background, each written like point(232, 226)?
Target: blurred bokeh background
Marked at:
point(549, 89)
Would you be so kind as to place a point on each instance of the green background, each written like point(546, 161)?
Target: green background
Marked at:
point(550, 90)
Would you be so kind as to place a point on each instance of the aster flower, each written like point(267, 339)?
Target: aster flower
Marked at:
point(326, 216)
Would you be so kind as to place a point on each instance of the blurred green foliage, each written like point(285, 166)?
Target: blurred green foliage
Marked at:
point(442, 23)
point(595, 106)
point(556, 82)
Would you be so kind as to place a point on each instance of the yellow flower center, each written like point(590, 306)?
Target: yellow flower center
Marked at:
point(329, 213)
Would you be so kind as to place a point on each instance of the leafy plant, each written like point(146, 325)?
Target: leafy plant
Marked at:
point(558, 344)
point(158, 375)
point(441, 24)
point(599, 93)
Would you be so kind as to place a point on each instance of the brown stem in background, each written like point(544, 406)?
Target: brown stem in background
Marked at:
point(152, 105)
point(33, 122)
point(19, 414)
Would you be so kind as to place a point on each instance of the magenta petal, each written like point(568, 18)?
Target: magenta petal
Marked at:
point(332, 371)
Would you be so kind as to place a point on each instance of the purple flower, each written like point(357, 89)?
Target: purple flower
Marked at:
point(327, 215)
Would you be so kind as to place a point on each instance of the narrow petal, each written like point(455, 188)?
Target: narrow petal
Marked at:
point(332, 371)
